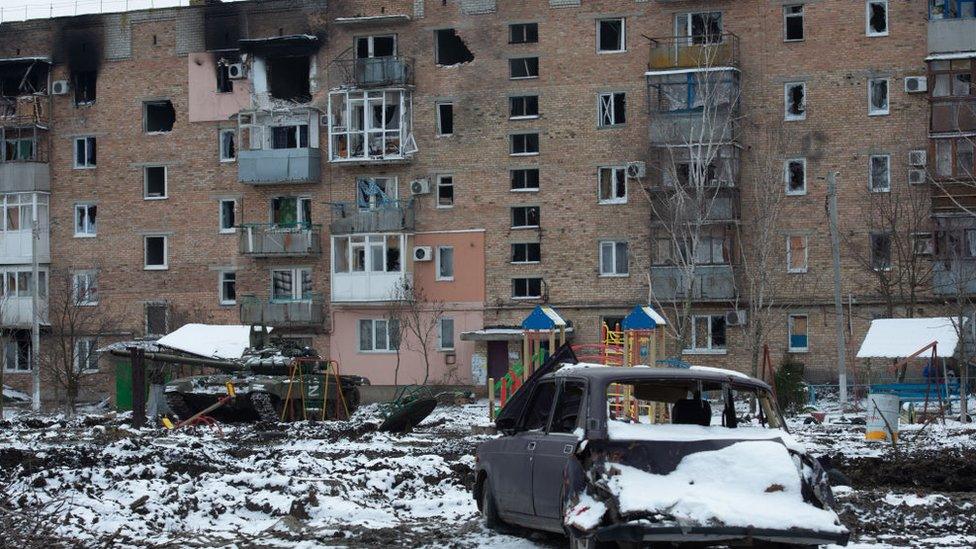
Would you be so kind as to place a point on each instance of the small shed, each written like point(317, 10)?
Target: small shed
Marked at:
point(541, 324)
point(643, 331)
point(903, 337)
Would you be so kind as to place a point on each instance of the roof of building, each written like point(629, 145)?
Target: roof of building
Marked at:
point(543, 317)
point(903, 337)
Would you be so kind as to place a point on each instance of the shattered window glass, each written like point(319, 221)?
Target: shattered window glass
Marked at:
point(796, 108)
point(880, 173)
point(878, 96)
point(796, 182)
point(877, 17)
point(610, 35)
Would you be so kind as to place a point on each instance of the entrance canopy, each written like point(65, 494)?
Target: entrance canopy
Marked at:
point(903, 337)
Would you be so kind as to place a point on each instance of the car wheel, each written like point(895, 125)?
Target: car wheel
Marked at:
point(488, 509)
point(577, 542)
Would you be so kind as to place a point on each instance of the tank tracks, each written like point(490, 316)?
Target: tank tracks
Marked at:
point(177, 404)
point(261, 402)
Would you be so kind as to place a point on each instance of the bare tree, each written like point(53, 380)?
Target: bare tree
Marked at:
point(417, 318)
point(694, 169)
point(70, 359)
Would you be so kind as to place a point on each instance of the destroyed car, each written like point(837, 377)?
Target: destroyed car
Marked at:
point(639, 456)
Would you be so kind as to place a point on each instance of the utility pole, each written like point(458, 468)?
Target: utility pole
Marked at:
point(838, 302)
point(35, 321)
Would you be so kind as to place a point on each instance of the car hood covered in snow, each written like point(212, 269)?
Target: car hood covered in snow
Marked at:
point(699, 477)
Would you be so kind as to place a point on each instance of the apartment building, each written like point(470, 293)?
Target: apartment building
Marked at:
point(298, 162)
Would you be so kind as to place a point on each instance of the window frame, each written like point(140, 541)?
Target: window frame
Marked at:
point(440, 334)
point(527, 245)
point(790, 322)
point(527, 208)
point(615, 170)
point(623, 34)
point(145, 253)
point(524, 189)
point(221, 229)
point(711, 348)
point(145, 182)
point(221, 281)
point(527, 280)
point(786, 175)
point(875, 266)
point(867, 18)
point(438, 184)
point(524, 27)
point(91, 275)
point(440, 122)
point(602, 109)
point(91, 355)
point(871, 185)
point(220, 145)
point(87, 164)
point(390, 348)
point(88, 222)
point(789, 254)
point(438, 276)
point(613, 245)
point(523, 97)
point(786, 102)
point(887, 109)
point(787, 16)
point(512, 139)
point(512, 63)
point(299, 293)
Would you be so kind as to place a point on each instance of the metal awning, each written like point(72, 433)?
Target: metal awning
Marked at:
point(498, 334)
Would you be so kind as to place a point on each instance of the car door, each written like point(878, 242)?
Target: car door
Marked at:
point(553, 448)
point(513, 472)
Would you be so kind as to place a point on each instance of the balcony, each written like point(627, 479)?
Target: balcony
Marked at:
point(15, 247)
point(24, 176)
point(275, 166)
point(270, 240)
point(303, 314)
point(720, 206)
point(359, 287)
point(17, 311)
point(390, 216)
point(371, 126)
point(375, 72)
point(951, 277)
point(693, 52)
point(951, 31)
point(712, 283)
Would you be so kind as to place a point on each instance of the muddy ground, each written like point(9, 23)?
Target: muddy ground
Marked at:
point(94, 481)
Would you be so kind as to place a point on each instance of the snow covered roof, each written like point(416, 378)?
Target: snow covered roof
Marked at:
point(902, 337)
point(543, 317)
point(685, 71)
point(643, 317)
point(952, 55)
point(209, 340)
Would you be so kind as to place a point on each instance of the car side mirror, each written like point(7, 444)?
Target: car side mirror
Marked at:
point(505, 425)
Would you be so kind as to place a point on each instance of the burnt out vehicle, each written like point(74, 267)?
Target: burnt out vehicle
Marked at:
point(638, 457)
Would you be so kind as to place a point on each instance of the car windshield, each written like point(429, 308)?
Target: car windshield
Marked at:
point(691, 402)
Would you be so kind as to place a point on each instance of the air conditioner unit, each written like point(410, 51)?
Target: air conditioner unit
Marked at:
point(916, 84)
point(423, 253)
point(420, 186)
point(735, 318)
point(916, 176)
point(917, 158)
point(59, 87)
point(235, 71)
point(636, 169)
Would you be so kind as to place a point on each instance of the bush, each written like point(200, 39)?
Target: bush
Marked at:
point(790, 387)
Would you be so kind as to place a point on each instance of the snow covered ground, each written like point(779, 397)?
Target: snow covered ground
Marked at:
point(344, 484)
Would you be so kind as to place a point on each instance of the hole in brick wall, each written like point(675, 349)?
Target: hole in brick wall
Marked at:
point(288, 78)
point(23, 78)
point(85, 86)
point(159, 116)
point(451, 50)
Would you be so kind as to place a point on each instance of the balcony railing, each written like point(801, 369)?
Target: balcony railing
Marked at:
point(16, 249)
point(384, 217)
point(272, 240)
point(711, 282)
point(17, 312)
point(952, 26)
point(272, 166)
point(689, 52)
point(26, 176)
point(376, 71)
point(954, 276)
point(302, 313)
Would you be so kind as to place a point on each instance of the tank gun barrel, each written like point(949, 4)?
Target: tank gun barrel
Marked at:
point(228, 366)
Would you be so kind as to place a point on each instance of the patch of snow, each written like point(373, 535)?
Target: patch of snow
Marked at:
point(724, 371)
point(622, 430)
point(763, 492)
point(13, 394)
point(914, 500)
point(209, 340)
point(586, 514)
point(902, 337)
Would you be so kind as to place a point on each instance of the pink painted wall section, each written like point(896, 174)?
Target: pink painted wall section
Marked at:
point(379, 366)
point(469, 267)
point(206, 105)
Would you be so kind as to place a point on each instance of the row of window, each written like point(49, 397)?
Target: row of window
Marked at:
point(795, 99)
point(86, 155)
point(879, 174)
point(17, 355)
point(708, 333)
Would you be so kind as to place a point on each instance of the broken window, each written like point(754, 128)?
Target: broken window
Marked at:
point(19, 149)
point(526, 288)
point(524, 144)
point(445, 191)
point(523, 106)
point(526, 179)
point(525, 217)
point(368, 47)
point(156, 319)
point(523, 67)
point(526, 252)
point(228, 288)
point(880, 251)
point(613, 258)
point(450, 49)
point(943, 157)
point(880, 176)
point(613, 109)
point(797, 327)
point(713, 250)
point(227, 215)
point(85, 220)
point(228, 148)
point(155, 182)
point(708, 333)
point(796, 100)
point(445, 118)
point(964, 158)
point(445, 263)
point(793, 22)
point(85, 85)
point(23, 77)
point(796, 176)
point(923, 244)
point(84, 287)
point(370, 124)
point(796, 254)
point(290, 211)
point(613, 185)
point(952, 78)
point(293, 136)
point(610, 35)
point(291, 284)
point(85, 152)
point(878, 96)
point(224, 83)
point(155, 253)
point(877, 18)
point(699, 28)
point(288, 78)
point(523, 33)
point(158, 116)
point(375, 192)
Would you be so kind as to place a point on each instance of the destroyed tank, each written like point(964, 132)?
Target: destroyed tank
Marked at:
point(262, 380)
